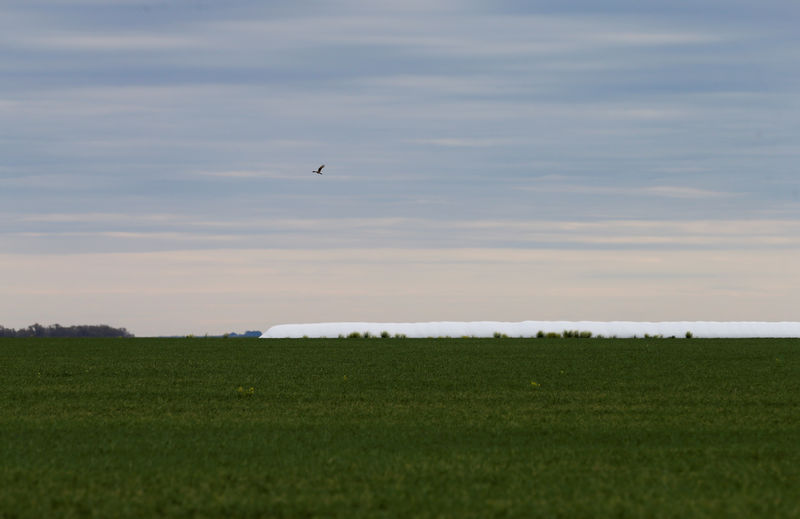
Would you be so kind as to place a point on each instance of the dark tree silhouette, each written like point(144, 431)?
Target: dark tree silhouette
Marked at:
point(56, 330)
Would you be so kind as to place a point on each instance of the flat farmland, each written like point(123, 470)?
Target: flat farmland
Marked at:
point(399, 428)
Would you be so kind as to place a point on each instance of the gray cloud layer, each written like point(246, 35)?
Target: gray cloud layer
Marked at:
point(450, 112)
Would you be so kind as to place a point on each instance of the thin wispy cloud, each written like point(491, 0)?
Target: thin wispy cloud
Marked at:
point(250, 174)
point(461, 142)
point(105, 43)
point(652, 191)
point(109, 232)
point(98, 218)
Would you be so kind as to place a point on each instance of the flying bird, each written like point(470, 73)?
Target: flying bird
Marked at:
point(319, 170)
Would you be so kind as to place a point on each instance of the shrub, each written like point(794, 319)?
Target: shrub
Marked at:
point(540, 334)
point(689, 335)
point(576, 334)
point(385, 334)
point(368, 335)
point(498, 335)
point(399, 336)
point(354, 335)
point(552, 335)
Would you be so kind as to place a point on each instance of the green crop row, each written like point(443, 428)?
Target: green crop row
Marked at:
point(423, 428)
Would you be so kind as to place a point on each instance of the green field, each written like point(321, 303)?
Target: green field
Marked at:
point(399, 428)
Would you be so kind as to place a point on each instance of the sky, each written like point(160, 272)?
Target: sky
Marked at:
point(485, 160)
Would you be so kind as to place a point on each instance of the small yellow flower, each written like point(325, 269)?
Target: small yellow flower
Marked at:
point(344, 378)
point(242, 392)
point(535, 384)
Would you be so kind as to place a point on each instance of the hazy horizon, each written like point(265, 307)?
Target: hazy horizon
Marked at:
point(484, 161)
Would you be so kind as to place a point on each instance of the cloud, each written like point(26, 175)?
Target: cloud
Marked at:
point(454, 35)
point(684, 192)
point(462, 142)
point(101, 218)
point(658, 38)
point(110, 232)
point(250, 174)
point(107, 43)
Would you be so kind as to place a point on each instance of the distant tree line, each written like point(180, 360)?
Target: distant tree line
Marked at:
point(250, 334)
point(56, 330)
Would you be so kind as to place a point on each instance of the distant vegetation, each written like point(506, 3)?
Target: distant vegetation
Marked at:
point(56, 330)
point(250, 334)
point(566, 334)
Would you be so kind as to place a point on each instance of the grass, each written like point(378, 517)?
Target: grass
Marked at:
point(413, 428)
